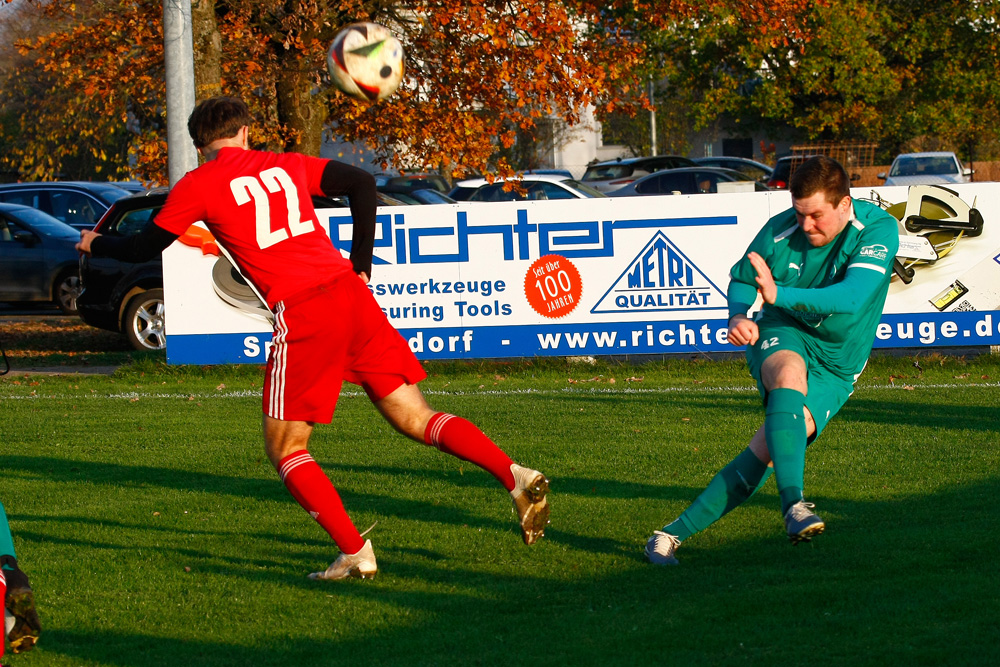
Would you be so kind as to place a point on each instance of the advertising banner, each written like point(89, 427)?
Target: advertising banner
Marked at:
point(604, 276)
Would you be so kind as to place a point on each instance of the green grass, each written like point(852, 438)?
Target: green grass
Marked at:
point(156, 533)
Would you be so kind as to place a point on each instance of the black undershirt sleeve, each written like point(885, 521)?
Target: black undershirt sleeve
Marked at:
point(341, 179)
point(141, 247)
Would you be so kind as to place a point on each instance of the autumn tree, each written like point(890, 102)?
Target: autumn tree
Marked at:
point(480, 72)
point(896, 72)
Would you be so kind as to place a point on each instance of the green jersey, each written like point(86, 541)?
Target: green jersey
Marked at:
point(833, 292)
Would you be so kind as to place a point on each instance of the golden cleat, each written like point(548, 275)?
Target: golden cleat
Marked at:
point(530, 502)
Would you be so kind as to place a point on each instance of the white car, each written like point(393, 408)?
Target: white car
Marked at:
point(536, 186)
point(931, 168)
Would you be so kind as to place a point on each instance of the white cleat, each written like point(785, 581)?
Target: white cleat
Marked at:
point(361, 565)
point(530, 503)
point(661, 547)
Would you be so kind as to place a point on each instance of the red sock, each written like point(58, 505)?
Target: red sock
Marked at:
point(317, 495)
point(460, 437)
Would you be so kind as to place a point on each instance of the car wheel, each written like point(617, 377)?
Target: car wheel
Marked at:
point(65, 291)
point(145, 323)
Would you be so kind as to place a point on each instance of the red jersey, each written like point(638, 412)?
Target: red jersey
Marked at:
point(258, 206)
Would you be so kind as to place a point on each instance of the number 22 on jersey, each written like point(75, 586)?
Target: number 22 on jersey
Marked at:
point(252, 188)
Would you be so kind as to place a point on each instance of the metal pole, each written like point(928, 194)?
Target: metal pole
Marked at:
point(652, 120)
point(178, 56)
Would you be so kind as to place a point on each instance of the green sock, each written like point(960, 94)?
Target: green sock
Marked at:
point(6, 541)
point(785, 433)
point(731, 486)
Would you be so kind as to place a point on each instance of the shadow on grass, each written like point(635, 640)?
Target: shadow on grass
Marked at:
point(921, 413)
point(890, 583)
point(459, 510)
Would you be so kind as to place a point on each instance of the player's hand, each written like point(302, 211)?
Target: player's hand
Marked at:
point(765, 281)
point(86, 238)
point(742, 330)
point(363, 276)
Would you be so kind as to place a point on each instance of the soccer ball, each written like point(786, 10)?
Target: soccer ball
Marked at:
point(366, 61)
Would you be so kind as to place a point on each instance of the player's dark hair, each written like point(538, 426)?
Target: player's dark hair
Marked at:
point(217, 118)
point(820, 174)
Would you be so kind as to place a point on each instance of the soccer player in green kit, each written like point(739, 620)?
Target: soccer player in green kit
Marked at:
point(822, 269)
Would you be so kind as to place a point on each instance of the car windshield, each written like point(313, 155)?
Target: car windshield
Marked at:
point(43, 223)
point(430, 196)
point(584, 188)
point(920, 166)
point(607, 172)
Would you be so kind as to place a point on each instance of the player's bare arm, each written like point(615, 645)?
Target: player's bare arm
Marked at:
point(765, 281)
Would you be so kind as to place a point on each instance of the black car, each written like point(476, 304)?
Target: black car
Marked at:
point(80, 204)
point(38, 258)
point(124, 296)
point(128, 297)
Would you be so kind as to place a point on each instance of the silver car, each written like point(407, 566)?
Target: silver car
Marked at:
point(611, 175)
point(930, 168)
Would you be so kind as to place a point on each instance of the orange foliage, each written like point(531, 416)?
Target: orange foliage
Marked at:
point(477, 72)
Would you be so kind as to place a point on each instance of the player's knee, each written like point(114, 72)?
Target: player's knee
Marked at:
point(277, 451)
point(412, 422)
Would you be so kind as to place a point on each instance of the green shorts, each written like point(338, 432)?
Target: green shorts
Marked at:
point(827, 392)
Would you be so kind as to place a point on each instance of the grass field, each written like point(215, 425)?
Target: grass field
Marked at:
point(156, 533)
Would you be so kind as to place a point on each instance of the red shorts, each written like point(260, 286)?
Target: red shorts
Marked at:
point(324, 336)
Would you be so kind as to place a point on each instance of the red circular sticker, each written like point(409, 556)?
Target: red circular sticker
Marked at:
point(553, 286)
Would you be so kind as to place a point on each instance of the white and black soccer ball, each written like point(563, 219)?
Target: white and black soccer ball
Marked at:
point(365, 61)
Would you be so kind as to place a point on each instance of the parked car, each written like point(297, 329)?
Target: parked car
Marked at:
point(121, 296)
point(413, 182)
point(783, 170)
point(127, 297)
point(38, 258)
point(536, 186)
point(463, 189)
point(690, 181)
point(566, 173)
point(424, 196)
point(381, 199)
point(415, 188)
point(758, 171)
point(80, 204)
point(931, 168)
point(610, 175)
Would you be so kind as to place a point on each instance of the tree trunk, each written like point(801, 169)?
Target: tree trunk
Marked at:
point(300, 108)
point(207, 50)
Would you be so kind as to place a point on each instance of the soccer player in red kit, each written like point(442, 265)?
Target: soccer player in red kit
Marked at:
point(327, 325)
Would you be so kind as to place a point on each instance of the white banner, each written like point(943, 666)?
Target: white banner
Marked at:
point(614, 276)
